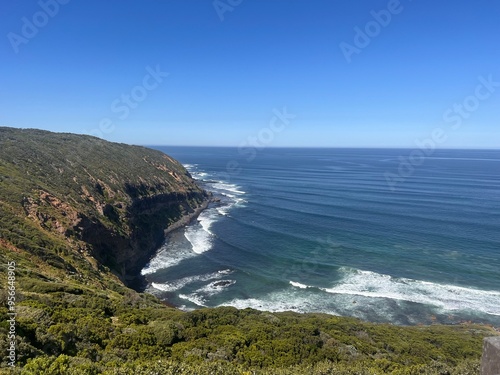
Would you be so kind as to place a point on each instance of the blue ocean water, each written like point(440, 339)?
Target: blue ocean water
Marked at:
point(329, 230)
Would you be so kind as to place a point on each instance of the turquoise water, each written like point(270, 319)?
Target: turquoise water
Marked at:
point(322, 230)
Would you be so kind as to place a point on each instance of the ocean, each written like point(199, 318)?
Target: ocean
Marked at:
point(370, 233)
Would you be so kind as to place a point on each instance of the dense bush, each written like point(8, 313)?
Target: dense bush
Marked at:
point(91, 333)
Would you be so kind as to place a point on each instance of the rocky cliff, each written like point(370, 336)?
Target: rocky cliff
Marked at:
point(69, 199)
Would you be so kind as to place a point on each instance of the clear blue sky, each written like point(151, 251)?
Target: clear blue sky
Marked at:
point(226, 77)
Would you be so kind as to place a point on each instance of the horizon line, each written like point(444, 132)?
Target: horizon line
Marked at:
point(331, 147)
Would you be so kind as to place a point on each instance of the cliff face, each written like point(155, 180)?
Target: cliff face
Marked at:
point(77, 198)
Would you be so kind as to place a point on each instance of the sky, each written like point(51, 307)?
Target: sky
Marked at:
point(268, 73)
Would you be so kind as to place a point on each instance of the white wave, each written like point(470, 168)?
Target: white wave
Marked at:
point(181, 283)
point(206, 219)
point(201, 240)
point(215, 287)
point(365, 295)
point(289, 299)
point(195, 173)
point(166, 287)
point(199, 175)
point(193, 298)
point(199, 297)
point(211, 182)
point(226, 187)
point(227, 207)
point(167, 257)
point(199, 235)
point(313, 300)
point(224, 210)
point(232, 197)
point(446, 297)
point(299, 285)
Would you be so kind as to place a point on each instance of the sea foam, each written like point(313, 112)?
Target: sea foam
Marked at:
point(170, 254)
point(181, 283)
point(374, 296)
point(200, 296)
point(447, 297)
point(200, 235)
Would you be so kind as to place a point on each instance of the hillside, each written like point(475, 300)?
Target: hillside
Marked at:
point(80, 217)
point(65, 196)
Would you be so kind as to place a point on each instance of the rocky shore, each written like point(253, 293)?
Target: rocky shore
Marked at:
point(137, 281)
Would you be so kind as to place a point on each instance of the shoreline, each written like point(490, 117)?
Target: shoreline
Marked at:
point(138, 281)
point(187, 218)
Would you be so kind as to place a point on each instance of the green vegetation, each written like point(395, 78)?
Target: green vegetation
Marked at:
point(95, 332)
point(72, 211)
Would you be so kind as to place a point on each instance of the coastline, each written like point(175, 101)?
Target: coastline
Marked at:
point(187, 218)
point(137, 281)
